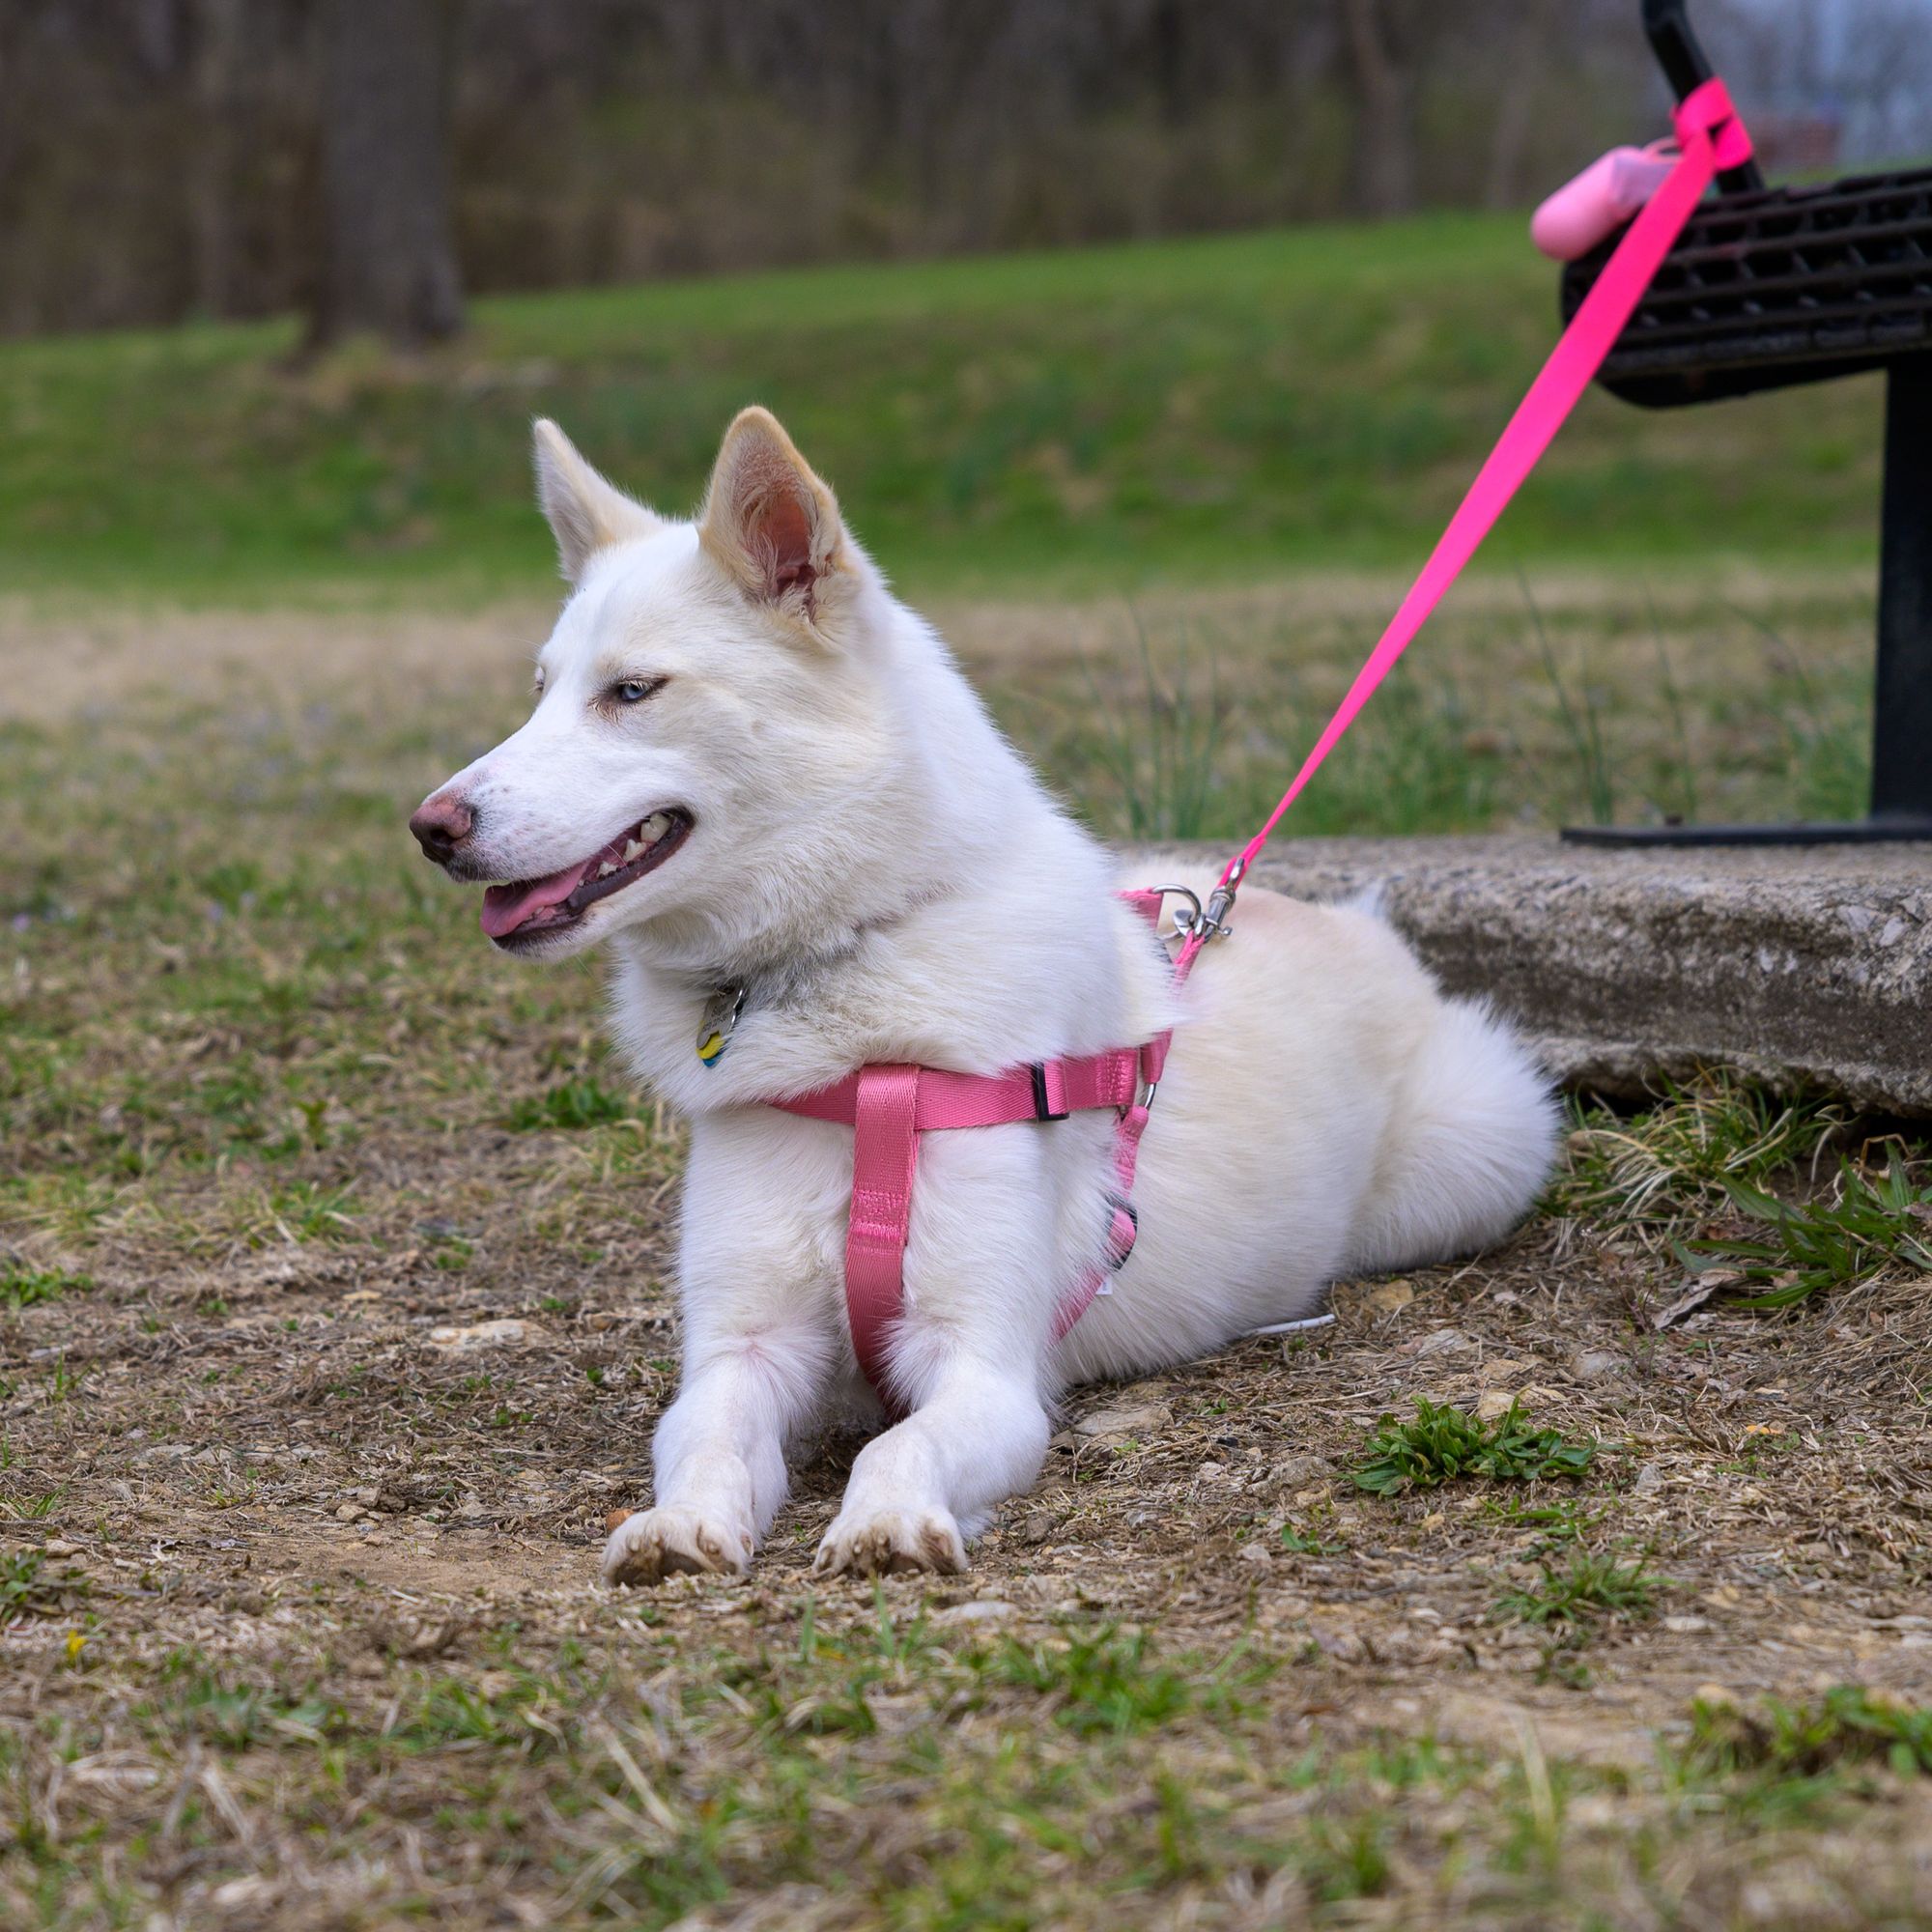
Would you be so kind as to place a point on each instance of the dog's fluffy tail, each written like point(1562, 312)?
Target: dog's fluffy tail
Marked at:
point(1470, 1142)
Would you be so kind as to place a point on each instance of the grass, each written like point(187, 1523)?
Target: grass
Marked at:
point(1112, 1683)
point(1160, 757)
point(1684, 1155)
point(301, 1621)
point(24, 1287)
point(28, 1589)
point(1849, 1725)
point(1090, 419)
point(571, 1104)
point(1864, 1226)
point(1724, 1179)
point(1444, 1445)
point(1584, 727)
point(1579, 1585)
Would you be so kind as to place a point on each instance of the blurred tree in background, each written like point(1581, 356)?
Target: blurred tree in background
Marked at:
point(389, 251)
point(166, 159)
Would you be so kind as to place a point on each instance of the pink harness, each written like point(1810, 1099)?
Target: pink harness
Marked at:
point(888, 1107)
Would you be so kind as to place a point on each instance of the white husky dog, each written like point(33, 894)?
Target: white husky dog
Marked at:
point(749, 768)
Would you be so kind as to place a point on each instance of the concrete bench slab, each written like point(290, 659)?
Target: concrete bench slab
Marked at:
point(1796, 967)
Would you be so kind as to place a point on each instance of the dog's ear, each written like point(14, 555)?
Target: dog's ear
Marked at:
point(587, 514)
point(770, 522)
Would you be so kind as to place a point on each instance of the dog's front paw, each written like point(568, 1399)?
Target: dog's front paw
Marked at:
point(890, 1541)
point(658, 1543)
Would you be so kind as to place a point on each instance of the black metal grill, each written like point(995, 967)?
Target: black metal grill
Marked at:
point(1787, 285)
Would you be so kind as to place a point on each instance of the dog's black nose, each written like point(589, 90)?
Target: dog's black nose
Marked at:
point(440, 825)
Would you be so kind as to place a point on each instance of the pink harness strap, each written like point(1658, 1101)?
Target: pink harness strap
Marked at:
point(1049, 1091)
point(888, 1108)
point(885, 1157)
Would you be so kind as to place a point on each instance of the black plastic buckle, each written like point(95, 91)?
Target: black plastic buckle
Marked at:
point(1043, 1104)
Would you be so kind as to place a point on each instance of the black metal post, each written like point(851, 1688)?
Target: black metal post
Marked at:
point(1901, 785)
point(1686, 66)
point(1902, 780)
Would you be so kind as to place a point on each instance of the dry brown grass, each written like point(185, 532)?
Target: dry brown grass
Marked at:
point(296, 1574)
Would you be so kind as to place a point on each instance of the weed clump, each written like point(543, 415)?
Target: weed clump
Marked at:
point(1683, 1155)
point(571, 1104)
point(1444, 1443)
point(24, 1287)
point(1112, 1683)
point(1589, 1585)
point(1847, 1725)
point(1806, 1246)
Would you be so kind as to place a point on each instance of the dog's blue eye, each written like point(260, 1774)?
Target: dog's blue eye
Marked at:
point(633, 690)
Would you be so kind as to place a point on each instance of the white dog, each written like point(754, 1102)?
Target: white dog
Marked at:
point(763, 782)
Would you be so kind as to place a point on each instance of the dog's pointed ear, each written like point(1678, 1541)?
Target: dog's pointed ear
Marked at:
point(586, 513)
point(770, 522)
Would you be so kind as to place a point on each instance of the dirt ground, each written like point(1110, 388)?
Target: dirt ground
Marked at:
point(333, 1320)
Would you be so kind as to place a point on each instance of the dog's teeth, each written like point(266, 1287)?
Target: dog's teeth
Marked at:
point(632, 849)
point(655, 827)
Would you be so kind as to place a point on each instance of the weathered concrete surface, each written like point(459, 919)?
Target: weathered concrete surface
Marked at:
point(1802, 966)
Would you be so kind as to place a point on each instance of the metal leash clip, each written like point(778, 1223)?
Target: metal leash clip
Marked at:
point(1186, 919)
point(1210, 922)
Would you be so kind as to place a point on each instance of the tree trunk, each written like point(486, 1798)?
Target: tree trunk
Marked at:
point(212, 170)
point(1532, 54)
point(390, 258)
point(1384, 139)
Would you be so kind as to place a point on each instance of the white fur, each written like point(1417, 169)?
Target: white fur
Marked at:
point(877, 864)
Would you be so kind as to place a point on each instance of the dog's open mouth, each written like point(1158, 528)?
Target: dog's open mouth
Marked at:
point(527, 910)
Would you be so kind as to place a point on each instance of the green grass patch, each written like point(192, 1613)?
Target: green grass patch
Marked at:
point(1112, 1682)
point(24, 1287)
point(302, 1211)
point(1684, 1154)
point(1583, 1585)
point(1847, 1725)
point(572, 1104)
point(1093, 419)
point(1298, 1542)
point(1444, 1444)
point(30, 1588)
point(1866, 1226)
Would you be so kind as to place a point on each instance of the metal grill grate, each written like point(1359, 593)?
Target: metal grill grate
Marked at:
point(1787, 285)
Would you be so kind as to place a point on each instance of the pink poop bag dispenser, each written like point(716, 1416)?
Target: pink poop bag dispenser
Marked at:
point(1599, 200)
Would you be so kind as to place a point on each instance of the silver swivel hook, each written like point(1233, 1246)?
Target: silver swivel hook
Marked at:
point(1211, 921)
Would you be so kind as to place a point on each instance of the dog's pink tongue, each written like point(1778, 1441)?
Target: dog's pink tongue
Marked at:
point(507, 907)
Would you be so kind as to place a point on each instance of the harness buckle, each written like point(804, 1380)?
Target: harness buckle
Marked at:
point(1042, 1099)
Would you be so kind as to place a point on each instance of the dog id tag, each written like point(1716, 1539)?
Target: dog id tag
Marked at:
point(718, 1023)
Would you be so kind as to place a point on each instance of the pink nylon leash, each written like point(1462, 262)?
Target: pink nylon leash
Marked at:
point(1710, 137)
point(885, 1156)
